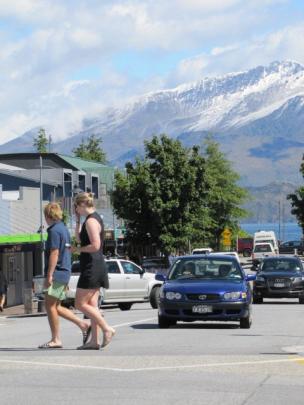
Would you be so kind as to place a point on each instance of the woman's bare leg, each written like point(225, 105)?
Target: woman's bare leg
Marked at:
point(83, 298)
point(95, 328)
point(70, 316)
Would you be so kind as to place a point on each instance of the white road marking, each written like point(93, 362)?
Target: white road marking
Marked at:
point(120, 325)
point(131, 370)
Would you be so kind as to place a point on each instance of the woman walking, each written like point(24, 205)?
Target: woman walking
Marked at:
point(58, 269)
point(3, 290)
point(92, 268)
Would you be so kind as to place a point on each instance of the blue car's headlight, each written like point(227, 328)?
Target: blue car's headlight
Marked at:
point(170, 295)
point(235, 295)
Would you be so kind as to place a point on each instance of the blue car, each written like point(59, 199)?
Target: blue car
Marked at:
point(205, 288)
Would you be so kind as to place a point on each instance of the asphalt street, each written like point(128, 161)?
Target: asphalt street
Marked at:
point(196, 363)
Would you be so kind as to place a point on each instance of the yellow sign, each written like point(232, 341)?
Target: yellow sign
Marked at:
point(226, 237)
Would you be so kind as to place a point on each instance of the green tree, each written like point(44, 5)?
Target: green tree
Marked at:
point(41, 141)
point(91, 150)
point(225, 196)
point(160, 197)
point(297, 201)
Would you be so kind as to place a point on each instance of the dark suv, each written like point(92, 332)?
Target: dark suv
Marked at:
point(291, 246)
point(279, 277)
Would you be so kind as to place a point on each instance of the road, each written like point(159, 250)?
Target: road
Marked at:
point(190, 363)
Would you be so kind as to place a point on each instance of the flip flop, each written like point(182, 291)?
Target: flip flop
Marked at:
point(86, 335)
point(107, 339)
point(49, 346)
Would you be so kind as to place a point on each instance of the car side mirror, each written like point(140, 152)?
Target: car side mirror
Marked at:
point(142, 271)
point(250, 277)
point(160, 277)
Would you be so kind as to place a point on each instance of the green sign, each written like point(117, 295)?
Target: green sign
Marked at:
point(21, 238)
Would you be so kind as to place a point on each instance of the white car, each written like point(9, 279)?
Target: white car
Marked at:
point(129, 284)
point(262, 250)
point(234, 254)
point(202, 251)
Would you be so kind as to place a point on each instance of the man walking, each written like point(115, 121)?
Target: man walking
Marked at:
point(58, 269)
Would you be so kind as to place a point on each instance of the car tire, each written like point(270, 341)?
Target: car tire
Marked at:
point(245, 323)
point(257, 299)
point(154, 297)
point(165, 323)
point(125, 306)
point(301, 299)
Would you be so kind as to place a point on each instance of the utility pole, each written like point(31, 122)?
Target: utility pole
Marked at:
point(41, 214)
point(279, 220)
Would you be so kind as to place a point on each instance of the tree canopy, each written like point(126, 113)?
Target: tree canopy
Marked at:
point(177, 196)
point(91, 150)
point(41, 141)
point(297, 201)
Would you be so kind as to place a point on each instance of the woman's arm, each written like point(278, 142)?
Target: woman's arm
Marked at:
point(93, 228)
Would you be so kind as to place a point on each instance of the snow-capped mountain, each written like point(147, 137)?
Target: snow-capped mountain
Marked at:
point(257, 116)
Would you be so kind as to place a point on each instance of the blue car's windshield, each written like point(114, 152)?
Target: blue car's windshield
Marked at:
point(205, 268)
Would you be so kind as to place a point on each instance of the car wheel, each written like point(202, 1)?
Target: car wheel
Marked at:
point(245, 323)
point(154, 297)
point(125, 306)
point(301, 299)
point(164, 322)
point(257, 299)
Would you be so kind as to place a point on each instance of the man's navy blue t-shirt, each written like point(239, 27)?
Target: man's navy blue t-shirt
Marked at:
point(59, 238)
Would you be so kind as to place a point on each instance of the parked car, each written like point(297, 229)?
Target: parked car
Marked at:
point(201, 251)
point(129, 284)
point(260, 251)
point(245, 246)
point(292, 247)
point(205, 288)
point(279, 277)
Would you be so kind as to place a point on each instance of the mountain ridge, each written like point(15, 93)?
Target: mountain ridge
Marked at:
point(257, 116)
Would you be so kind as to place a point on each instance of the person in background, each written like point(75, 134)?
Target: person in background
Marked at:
point(58, 268)
point(3, 289)
point(93, 271)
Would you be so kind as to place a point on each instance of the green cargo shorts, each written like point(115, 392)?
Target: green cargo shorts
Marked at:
point(57, 290)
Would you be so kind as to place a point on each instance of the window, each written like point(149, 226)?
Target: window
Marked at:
point(130, 268)
point(113, 268)
point(205, 268)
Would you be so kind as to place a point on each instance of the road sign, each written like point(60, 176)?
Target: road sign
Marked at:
point(226, 237)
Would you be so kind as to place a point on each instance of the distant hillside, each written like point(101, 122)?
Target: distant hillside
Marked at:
point(268, 201)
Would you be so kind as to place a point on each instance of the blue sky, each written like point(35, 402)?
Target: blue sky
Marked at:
point(63, 60)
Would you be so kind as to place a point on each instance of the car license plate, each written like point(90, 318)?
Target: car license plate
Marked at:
point(202, 309)
point(279, 285)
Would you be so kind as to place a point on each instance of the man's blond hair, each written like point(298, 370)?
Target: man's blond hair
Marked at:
point(53, 211)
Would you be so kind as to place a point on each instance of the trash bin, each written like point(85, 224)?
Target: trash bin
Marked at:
point(41, 306)
point(28, 301)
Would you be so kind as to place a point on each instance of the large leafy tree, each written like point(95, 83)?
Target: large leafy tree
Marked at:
point(160, 197)
point(41, 141)
point(91, 150)
point(297, 201)
point(225, 196)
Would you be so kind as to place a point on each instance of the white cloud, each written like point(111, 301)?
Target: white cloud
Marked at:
point(55, 38)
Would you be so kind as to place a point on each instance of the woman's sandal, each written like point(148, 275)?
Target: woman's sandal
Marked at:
point(49, 345)
point(88, 347)
point(86, 335)
point(107, 337)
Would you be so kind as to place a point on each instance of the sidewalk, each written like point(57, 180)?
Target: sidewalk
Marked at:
point(18, 310)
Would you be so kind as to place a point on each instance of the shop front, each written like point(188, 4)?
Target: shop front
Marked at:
point(20, 260)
